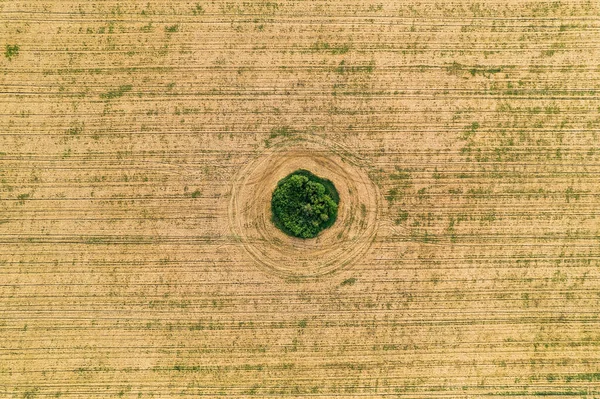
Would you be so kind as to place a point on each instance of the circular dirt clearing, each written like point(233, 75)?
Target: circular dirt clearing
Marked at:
point(341, 245)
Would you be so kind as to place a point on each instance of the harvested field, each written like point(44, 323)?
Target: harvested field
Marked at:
point(139, 147)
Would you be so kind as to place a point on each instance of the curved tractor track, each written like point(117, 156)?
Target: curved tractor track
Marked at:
point(339, 246)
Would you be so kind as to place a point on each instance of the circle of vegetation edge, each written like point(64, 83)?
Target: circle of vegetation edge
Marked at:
point(304, 204)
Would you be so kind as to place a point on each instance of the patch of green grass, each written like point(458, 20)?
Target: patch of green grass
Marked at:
point(147, 28)
point(571, 194)
point(119, 92)
point(343, 68)
point(423, 236)
point(455, 68)
point(332, 49)
point(283, 131)
point(75, 130)
point(458, 69)
point(470, 130)
point(484, 71)
point(172, 28)
point(22, 198)
point(589, 377)
point(348, 281)
point(401, 175)
point(402, 217)
point(196, 194)
point(198, 9)
point(30, 394)
point(392, 194)
point(11, 51)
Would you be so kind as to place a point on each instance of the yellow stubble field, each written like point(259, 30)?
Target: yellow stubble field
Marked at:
point(139, 145)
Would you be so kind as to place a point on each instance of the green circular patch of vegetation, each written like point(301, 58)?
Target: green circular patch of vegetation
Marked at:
point(303, 204)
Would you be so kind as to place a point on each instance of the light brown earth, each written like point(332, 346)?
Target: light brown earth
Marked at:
point(127, 269)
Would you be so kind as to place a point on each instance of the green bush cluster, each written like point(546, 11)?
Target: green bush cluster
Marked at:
point(303, 204)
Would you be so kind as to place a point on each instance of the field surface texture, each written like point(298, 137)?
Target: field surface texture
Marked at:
point(140, 143)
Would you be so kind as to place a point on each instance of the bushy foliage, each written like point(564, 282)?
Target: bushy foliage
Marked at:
point(303, 206)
